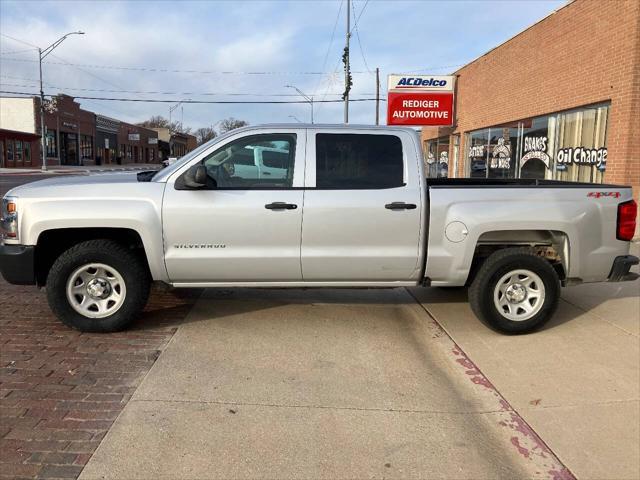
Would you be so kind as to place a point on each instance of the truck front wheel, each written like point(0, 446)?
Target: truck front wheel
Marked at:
point(98, 286)
point(515, 291)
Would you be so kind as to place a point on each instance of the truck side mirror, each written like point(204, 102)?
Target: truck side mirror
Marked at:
point(196, 177)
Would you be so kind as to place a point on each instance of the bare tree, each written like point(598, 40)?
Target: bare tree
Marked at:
point(158, 121)
point(231, 124)
point(204, 134)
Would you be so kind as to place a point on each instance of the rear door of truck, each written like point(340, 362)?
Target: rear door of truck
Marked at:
point(363, 206)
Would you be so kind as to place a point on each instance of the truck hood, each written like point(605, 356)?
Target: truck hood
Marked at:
point(97, 184)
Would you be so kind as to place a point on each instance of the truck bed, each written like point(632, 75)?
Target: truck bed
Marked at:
point(512, 183)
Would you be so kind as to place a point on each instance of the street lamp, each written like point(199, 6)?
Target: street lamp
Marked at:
point(306, 97)
point(42, 54)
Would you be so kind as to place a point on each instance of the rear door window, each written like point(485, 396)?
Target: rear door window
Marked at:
point(358, 161)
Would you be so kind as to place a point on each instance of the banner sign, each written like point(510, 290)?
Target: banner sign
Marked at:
point(420, 100)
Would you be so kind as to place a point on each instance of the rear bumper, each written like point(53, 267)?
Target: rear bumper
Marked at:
point(17, 264)
point(620, 269)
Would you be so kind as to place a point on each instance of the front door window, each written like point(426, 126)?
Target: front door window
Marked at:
point(257, 161)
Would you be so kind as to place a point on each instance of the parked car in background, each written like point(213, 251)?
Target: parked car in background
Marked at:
point(312, 206)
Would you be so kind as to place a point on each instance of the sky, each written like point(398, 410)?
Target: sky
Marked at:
point(245, 50)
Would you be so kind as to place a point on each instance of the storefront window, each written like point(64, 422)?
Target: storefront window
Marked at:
point(18, 151)
point(477, 151)
point(537, 148)
point(51, 143)
point(430, 158)
point(27, 152)
point(10, 150)
point(437, 158)
point(86, 146)
point(502, 150)
point(569, 146)
point(581, 154)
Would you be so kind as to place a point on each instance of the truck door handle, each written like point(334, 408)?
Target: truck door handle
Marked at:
point(280, 206)
point(266, 173)
point(400, 206)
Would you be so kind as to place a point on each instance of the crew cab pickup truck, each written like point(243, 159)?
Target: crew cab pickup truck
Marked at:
point(345, 207)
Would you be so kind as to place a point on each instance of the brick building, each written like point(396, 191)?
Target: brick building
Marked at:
point(74, 136)
point(137, 144)
point(560, 100)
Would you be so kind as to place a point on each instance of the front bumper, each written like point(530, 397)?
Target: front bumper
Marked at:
point(17, 264)
point(620, 269)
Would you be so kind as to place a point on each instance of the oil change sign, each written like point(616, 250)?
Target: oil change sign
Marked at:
point(420, 100)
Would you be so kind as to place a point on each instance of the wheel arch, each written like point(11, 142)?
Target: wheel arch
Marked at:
point(553, 245)
point(52, 243)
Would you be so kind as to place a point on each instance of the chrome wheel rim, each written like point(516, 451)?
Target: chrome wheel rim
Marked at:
point(519, 295)
point(96, 290)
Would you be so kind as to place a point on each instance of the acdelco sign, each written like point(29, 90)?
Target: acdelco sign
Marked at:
point(428, 82)
point(420, 100)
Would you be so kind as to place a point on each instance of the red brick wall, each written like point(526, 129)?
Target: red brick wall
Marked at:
point(585, 53)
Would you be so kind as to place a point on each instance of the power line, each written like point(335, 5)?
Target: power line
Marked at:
point(63, 60)
point(333, 33)
point(355, 27)
point(406, 70)
point(15, 52)
point(230, 94)
point(159, 100)
point(18, 40)
point(168, 70)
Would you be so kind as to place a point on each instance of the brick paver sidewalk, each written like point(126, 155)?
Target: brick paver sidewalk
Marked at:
point(61, 390)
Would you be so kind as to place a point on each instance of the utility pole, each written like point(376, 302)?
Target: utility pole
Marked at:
point(41, 55)
point(347, 73)
point(377, 96)
point(43, 141)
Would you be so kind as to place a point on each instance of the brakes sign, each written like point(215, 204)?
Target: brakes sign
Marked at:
point(420, 100)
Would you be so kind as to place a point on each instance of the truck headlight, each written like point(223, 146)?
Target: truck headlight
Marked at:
point(9, 219)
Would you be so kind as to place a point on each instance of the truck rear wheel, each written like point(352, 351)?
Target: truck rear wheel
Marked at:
point(515, 291)
point(98, 286)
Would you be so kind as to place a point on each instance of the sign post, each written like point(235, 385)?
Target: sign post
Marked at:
point(420, 100)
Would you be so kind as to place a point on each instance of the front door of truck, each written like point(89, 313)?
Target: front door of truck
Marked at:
point(363, 207)
point(246, 229)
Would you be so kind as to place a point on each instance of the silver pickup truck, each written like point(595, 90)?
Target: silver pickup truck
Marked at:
point(338, 207)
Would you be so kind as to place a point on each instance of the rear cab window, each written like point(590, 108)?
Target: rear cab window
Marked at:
point(358, 161)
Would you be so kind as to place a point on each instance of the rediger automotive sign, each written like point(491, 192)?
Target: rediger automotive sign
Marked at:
point(420, 100)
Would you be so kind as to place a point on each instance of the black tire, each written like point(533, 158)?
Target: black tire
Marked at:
point(129, 265)
point(499, 264)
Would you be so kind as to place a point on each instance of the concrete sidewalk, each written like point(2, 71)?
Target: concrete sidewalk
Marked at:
point(577, 382)
point(317, 384)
